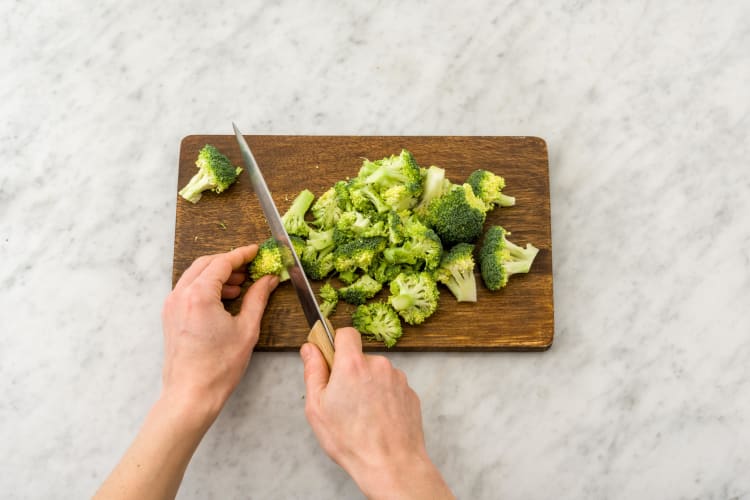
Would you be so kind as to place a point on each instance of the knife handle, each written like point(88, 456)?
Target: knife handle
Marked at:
point(318, 337)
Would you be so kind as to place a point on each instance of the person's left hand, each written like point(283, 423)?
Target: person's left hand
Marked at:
point(206, 349)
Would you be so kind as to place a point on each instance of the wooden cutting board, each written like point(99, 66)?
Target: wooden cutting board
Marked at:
point(518, 317)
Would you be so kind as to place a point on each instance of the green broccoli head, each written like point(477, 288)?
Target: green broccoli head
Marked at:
point(329, 298)
point(364, 198)
point(360, 291)
point(414, 296)
point(326, 210)
point(499, 258)
point(317, 266)
point(353, 225)
point(383, 271)
point(456, 271)
point(457, 216)
point(272, 258)
point(357, 254)
point(378, 320)
point(488, 188)
point(215, 172)
point(294, 218)
point(392, 171)
point(422, 246)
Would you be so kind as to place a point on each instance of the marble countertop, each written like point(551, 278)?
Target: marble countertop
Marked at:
point(645, 107)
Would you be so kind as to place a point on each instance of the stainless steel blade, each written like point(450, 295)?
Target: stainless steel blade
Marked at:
point(296, 274)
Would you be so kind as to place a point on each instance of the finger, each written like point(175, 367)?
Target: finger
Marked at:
point(316, 371)
point(201, 263)
point(236, 278)
point(254, 303)
point(230, 291)
point(348, 343)
point(221, 266)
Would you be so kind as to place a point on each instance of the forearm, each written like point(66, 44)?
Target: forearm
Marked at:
point(415, 478)
point(155, 463)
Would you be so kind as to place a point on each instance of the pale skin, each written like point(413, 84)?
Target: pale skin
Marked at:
point(363, 412)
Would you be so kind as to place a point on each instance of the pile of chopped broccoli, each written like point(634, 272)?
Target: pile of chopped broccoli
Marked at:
point(390, 227)
point(500, 258)
point(215, 172)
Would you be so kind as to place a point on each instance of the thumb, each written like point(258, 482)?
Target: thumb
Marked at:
point(316, 371)
point(254, 303)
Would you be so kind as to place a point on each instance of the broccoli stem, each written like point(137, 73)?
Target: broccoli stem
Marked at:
point(463, 286)
point(505, 201)
point(194, 189)
point(519, 252)
point(402, 302)
point(301, 204)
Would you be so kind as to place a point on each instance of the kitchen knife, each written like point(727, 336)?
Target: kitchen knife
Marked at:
point(321, 331)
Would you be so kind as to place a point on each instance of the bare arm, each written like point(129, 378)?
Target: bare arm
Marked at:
point(369, 421)
point(207, 351)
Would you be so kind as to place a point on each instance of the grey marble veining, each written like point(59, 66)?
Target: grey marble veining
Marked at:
point(645, 107)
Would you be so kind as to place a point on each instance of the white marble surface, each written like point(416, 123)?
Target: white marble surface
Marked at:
point(646, 110)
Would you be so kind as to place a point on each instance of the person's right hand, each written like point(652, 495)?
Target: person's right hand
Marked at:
point(369, 421)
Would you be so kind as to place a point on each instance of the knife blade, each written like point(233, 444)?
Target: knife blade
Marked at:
point(321, 331)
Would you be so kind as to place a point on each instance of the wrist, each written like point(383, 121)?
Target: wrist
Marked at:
point(414, 476)
point(189, 413)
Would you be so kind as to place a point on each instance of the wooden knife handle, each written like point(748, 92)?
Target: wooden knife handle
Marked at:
point(318, 337)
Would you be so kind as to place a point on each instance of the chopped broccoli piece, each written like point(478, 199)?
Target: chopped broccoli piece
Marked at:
point(456, 271)
point(357, 254)
point(378, 320)
point(352, 225)
point(358, 292)
point(326, 210)
point(272, 258)
point(215, 172)
point(414, 296)
point(422, 246)
point(329, 299)
point(499, 258)
point(384, 271)
point(395, 170)
point(294, 218)
point(348, 277)
point(435, 185)
point(488, 188)
point(457, 216)
point(364, 198)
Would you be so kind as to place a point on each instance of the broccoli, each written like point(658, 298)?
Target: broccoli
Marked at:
point(352, 225)
point(294, 218)
point(392, 171)
point(414, 296)
point(422, 245)
point(364, 198)
point(348, 277)
point(435, 184)
point(378, 320)
point(357, 254)
point(488, 186)
point(326, 210)
point(456, 271)
point(215, 172)
point(395, 228)
point(329, 300)
point(499, 258)
point(457, 216)
point(383, 271)
point(272, 258)
point(316, 257)
point(358, 292)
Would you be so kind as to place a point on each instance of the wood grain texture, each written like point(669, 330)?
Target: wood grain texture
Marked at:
point(519, 317)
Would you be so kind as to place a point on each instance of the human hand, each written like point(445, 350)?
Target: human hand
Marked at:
point(206, 349)
point(369, 421)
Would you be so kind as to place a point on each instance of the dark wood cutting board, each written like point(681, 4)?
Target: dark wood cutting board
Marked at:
point(518, 317)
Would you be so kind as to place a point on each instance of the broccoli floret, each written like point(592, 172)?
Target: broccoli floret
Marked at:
point(329, 298)
point(352, 225)
point(457, 216)
point(315, 265)
point(361, 290)
point(215, 172)
point(383, 271)
point(435, 185)
point(399, 197)
point(326, 210)
point(422, 245)
point(294, 218)
point(357, 254)
point(348, 277)
point(414, 296)
point(364, 198)
point(499, 258)
point(488, 188)
point(378, 320)
point(456, 271)
point(395, 170)
point(272, 258)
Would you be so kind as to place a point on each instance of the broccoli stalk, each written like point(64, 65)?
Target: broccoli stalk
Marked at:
point(456, 271)
point(378, 320)
point(414, 296)
point(294, 218)
point(215, 172)
point(500, 258)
